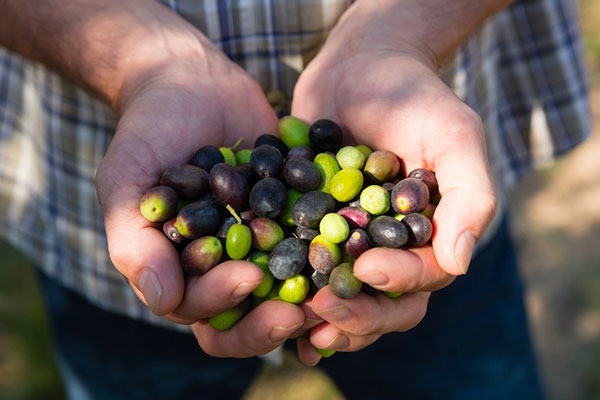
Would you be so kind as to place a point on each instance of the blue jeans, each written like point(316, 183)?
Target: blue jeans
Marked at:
point(472, 344)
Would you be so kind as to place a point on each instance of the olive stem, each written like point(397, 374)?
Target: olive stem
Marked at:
point(239, 141)
point(235, 215)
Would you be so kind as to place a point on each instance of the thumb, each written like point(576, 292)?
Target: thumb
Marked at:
point(150, 137)
point(468, 197)
point(137, 248)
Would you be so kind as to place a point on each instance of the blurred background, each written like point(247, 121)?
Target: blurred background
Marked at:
point(556, 214)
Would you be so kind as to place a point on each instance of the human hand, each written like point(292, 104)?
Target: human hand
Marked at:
point(389, 96)
point(192, 96)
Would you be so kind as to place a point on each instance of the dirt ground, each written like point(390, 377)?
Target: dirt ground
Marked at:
point(556, 217)
point(556, 221)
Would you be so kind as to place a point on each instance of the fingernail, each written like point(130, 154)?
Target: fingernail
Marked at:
point(338, 343)
point(244, 288)
point(339, 313)
point(150, 287)
point(464, 250)
point(281, 332)
point(373, 277)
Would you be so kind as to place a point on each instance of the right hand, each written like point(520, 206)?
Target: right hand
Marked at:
point(184, 94)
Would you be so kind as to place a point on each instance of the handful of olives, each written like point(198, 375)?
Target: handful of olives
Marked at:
point(299, 206)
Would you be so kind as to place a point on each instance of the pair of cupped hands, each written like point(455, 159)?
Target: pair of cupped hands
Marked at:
point(185, 93)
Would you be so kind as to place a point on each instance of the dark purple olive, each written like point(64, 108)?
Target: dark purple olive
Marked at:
point(301, 174)
point(311, 208)
point(172, 233)
point(428, 178)
point(268, 198)
point(420, 229)
point(271, 140)
point(387, 231)
point(410, 195)
point(207, 157)
point(229, 187)
point(266, 161)
point(248, 174)
point(197, 219)
point(355, 216)
point(188, 181)
point(288, 258)
point(325, 135)
point(302, 152)
point(358, 242)
point(305, 233)
point(200, 255)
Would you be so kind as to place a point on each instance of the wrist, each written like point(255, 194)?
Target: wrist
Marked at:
point(157, 45)
point(429, 30)
point(103, 45)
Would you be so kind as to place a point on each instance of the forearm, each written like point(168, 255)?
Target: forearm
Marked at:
point(99, 43)
point(435, 27)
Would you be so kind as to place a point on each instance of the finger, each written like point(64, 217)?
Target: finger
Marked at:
point(469, 200)
point(137, 248)
point(408, 270)
point(310, 318)
point(307, 353)
point(452, 144)
point(371, 315)
point(220, 289)
point(259, 332)
point(133, 163)
point(329, 337)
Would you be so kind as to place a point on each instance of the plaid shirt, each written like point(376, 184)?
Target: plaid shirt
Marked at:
point(522, 72)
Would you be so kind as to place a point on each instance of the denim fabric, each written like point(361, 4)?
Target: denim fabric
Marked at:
point(102, 355)
point(473, 344)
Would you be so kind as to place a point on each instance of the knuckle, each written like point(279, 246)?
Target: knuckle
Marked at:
point(467, 127)
point(208, 345)
point(367, 327)
point(414, 281)
point(417, 313)
point(255, 345)
point(209, 350)
point(119, 255)
point(488, 204)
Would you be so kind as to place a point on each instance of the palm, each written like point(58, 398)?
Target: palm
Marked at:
point(392, 101)
point(163, 126)
point(385, 101)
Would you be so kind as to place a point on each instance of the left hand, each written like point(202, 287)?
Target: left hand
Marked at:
point(389, 97)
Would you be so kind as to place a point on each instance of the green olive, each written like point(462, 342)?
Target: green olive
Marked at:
point(327, 167)
point(294, 132)
point(261, 259)
point(375, 199)
point(243, 156)
point(227, 319)
point(334, 228)
point(325, 353)
point(238, 242)
point(350, 157)
point(229, 156)
point(294, 289)
point(346, 184)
